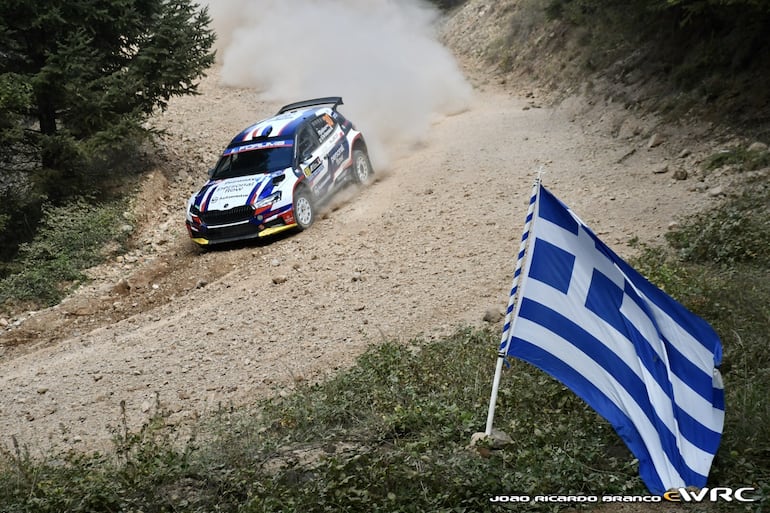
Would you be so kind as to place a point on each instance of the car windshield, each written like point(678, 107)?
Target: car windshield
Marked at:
point(253, 162)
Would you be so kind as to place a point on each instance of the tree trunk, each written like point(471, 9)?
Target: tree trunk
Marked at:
point(46, 113)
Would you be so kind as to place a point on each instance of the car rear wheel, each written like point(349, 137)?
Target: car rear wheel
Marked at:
point(304, 211)
point(362, 167)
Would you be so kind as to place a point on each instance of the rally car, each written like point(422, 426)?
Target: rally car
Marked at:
point(273, 175)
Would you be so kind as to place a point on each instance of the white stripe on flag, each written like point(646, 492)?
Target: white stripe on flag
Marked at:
point(634, 354)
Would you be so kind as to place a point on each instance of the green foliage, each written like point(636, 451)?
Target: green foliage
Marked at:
point(19, 213)
point(747, 160)
point(737, 231)
point(68, 241)
point(15, 95)
point(94, 64)
point(701, 6)
point(573, 8)
point(146, 473)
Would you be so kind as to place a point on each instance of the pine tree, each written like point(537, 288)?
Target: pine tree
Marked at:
point(80, 76)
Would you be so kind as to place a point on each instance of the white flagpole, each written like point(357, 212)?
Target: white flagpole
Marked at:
point(507, 331)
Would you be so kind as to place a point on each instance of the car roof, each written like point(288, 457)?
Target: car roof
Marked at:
point(285, 124)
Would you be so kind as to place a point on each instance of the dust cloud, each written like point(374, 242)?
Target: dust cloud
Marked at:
point(382, 56)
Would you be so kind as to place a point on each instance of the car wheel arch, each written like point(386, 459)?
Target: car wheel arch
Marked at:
point(359, 144)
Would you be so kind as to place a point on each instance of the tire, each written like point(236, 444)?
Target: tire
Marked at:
point(363, 174)
point(304, 209)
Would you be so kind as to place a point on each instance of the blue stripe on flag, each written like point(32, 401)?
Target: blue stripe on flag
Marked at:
point(691, 374)
point(605, 299)
point(680, 365)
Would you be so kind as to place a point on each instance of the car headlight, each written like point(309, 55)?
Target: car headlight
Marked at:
point(268, 200)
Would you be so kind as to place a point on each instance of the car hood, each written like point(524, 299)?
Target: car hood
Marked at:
point(235, 192)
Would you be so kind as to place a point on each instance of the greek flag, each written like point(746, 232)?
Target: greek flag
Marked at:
point(635, 355)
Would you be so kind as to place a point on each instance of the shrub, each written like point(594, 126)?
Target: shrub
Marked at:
point(68, 241)
point(737, 231)
point(748, 160)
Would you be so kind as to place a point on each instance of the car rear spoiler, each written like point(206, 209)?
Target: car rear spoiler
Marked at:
point(335, 100)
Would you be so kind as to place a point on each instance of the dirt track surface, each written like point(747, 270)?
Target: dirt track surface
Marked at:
point(427, 247)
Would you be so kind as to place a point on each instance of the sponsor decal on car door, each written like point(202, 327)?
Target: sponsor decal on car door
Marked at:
point(319, 178)
point(334, 147)
point(338, 155)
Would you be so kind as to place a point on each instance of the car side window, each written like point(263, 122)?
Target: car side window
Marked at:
point(306, 142)
point(323, 126)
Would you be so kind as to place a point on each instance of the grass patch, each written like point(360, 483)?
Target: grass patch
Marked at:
point(70, 238)
point(736, 232)
point(391, 435)
point(747, 160)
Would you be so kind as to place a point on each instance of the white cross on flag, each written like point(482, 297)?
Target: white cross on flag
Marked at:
point(635, 355)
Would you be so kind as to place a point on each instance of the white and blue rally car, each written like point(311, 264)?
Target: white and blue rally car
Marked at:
point(274, 174)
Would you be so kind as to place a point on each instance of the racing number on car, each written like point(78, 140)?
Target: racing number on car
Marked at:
point(310, 169)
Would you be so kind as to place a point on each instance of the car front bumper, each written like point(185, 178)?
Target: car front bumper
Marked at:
point(205, 236)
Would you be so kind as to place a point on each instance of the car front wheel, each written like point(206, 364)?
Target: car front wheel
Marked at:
point(304, 211)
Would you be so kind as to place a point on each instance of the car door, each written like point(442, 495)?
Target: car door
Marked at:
point(334, 146)
point(312, 162)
